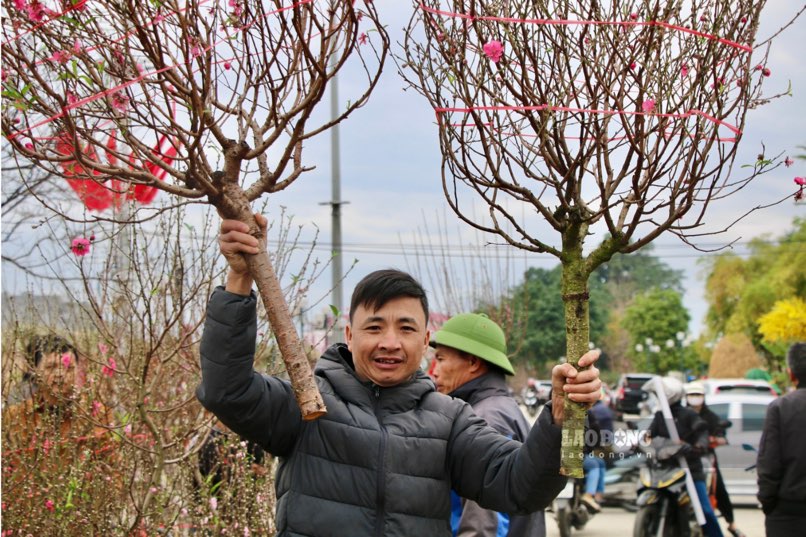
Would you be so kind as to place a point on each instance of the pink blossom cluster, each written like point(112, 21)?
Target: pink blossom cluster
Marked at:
point(34, 9)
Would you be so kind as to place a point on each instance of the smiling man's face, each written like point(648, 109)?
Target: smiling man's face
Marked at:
point(388, 344)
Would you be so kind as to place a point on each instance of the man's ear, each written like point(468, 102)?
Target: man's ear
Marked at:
point(477, 365)
point(348, 336)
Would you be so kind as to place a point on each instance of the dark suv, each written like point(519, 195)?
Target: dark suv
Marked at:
point(629, 393)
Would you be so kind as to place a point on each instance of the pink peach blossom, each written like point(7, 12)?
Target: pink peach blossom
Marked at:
point(648, 105)
point(494, 50)
point(80, 246)
point(110, 368)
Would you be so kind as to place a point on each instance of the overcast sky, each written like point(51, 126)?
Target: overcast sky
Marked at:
point(390, 168)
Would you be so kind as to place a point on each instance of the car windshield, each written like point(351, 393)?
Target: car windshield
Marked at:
point(636, 383)
point(743, 389)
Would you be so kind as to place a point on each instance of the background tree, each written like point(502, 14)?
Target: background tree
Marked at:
point(624, 277)
point(623, 116)
point(539, 299)
point(783, 325)
point(206, 102)
point(740, 291)
point(657, 323)
point(733, 356)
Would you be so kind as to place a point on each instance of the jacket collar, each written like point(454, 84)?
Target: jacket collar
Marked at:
point(490, 384)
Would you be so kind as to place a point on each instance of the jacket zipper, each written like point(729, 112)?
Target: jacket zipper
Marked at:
point(381, 487)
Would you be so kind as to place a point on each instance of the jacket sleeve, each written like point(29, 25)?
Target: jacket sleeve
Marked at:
point(769, 468)
point(501, 474)
point(261, 409)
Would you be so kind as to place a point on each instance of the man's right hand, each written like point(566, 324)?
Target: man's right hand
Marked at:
point(233, 241)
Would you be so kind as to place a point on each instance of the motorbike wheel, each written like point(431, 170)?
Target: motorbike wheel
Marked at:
point(646, 521)
point(564, 521)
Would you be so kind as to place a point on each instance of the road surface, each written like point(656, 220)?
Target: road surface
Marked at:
point(615, 522)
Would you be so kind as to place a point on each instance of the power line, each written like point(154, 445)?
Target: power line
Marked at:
point(494, 251)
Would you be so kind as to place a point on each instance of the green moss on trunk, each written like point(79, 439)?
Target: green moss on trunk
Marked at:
point(577, 327)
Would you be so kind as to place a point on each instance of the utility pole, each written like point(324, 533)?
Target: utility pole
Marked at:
point(335, 213)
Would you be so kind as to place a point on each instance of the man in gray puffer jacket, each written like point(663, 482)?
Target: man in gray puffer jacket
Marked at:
point(384, 458)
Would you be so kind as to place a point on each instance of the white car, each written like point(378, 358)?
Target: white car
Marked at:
point(746, 412)
point(738, 386)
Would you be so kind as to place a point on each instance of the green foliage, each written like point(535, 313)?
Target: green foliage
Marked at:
point(612, 287)
point(740, 291)
point(542, 333)
point(626, 276)
point(654, 320)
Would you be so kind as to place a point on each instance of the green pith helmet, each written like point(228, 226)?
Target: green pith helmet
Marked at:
point(477, 334)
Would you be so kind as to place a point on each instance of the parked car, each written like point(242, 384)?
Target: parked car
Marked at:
point(746, 412)
point(738, 386)
point(629, 393)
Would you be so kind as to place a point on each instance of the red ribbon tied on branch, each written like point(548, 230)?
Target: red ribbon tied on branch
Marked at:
point(97, 194)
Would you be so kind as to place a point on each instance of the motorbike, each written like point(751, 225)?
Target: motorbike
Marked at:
point(530, 401)
point(664, 505)
point(569, 511)
point(621, 481)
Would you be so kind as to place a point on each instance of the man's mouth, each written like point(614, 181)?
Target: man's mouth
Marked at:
point(388, 361)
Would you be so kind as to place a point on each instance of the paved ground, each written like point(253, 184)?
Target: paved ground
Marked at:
point(614, 522)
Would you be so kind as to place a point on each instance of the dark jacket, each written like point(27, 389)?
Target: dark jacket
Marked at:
point(716, 426)
point(782, 456)
point(692, 429)
point(382, 461)
point(490, 399)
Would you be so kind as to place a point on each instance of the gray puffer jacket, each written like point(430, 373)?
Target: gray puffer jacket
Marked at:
point(382, 461)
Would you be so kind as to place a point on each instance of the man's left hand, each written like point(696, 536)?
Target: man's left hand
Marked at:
point(582, 387)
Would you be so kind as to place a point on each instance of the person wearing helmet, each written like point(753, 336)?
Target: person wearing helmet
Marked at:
point(692, 430)
point(470, 363)
point(695, 399)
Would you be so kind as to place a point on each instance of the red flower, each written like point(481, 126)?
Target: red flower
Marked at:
point(80, 246)
point(49, 505)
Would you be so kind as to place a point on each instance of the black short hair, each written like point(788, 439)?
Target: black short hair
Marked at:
point(379, 287)
point(39, 345)
point(796, 360)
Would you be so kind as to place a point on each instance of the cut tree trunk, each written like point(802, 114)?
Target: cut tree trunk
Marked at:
point(232, 203)
point(577, 336)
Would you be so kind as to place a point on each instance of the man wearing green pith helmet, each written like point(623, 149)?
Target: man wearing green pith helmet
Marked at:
point(471, 364)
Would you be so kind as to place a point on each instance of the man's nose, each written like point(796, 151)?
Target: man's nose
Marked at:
point(390, 340)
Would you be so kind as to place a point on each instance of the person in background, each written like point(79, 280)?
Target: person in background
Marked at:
point(52, 375)
point(385, 456)
point(782, 455)
point(47, 423)
point(692, 430)
point(600, 420)
point(218, 453)
point(695, 399)
point(470, 363)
